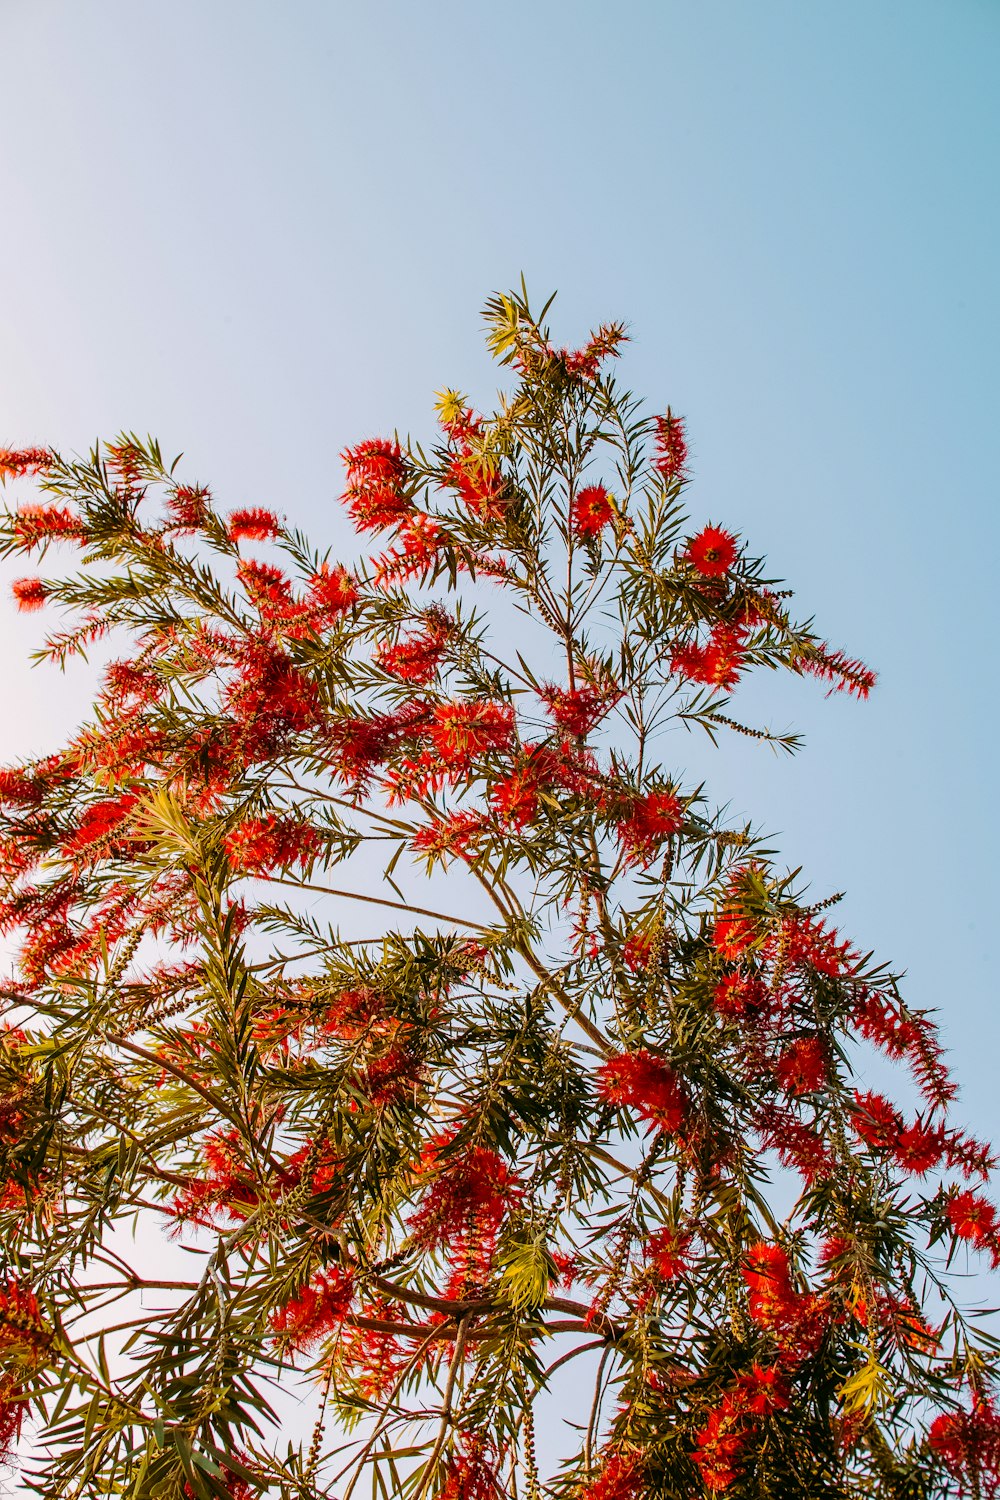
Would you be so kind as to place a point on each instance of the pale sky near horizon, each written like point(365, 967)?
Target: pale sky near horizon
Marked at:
point(262, 231)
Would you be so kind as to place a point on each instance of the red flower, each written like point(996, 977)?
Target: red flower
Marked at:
point(100, 823)
point(620, 1478)
point(255, 525)
point(332, 591)
point(717, 663)
point(480, 484)
point(188, 508)
point(671, 447)
point(651, 819)
point(30, 593)
point(877, 1121)
point(317, 1309)
point(417, 659)
point(736, 995)
point(590, 511)
point(712, 552)
point(972, 1217)
point(376, 482)
point(578, 710)
point(35, 524)
point(257, 846)
point(667, 1251)
point(802, 1067)
point(968, 1444)
point(646, 1083)
point(461, 731)
point(16, 462)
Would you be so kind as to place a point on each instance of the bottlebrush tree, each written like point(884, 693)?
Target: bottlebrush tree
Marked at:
point(521, 1084)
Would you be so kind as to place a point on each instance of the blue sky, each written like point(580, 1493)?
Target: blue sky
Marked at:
point(262, 231)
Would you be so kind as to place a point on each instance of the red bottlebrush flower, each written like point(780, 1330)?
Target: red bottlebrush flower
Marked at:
point(734, 935)
point(226, 1186)
point(253, 525)
point(125, 460)
point(590, 511)
point(187, 508)
point(18, 789)
point(578, 710)
point(29, 593)
point(844, 674)
point(671, 447)
point(802, 1067)
point(798, 1146)
point(480, 484)
point(126, 682)
point(35, 524)
point(461, 731)
point(652, 818)
point(422, 539)
point(712, 552)
point(257, 846)
point(376, 483)
point(718, 662)
point(316, 1310)
point(646, 1083)
point(968, 1445)
point(332, 591)
point(469, 1192)
point(667, 1252)
point(637, 952)
point(416, 660)
point(920, 1148)
point(796, 1320)
point(621, 1477)
point(972, 1217)
point(876, 1121)
point(16, 462)
point(737, 995)
point(473, 1472)
point(100, 824)
point(454, 834)
point(805, 940)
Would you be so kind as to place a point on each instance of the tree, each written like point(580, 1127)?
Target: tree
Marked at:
point(526, 1107)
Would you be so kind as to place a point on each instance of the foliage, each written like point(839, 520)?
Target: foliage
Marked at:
point(511, 1089)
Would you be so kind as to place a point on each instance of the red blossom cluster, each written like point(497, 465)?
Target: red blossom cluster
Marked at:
point(671, 449)
point(667, 1251)
point(591, 510)
point(712, 552)
point(968, 1445)
point(99, 831)
point(377, 479)
point(15, 463)
point(621, 1477)
point(255, 525)
point(29, 593)
point(717, 661)
point(258, 846)
point(316, 1310)
point(187, 509)
point(470, 1189)
point(472, 1471)
point(652, 818)
point(735, 1423)
point(646, 1083)
point(919, 1147)
point(797, 1321)
point(516, 797)
point(227, 1188)
point(36, 524)
point(418, 658)
point(579, 710)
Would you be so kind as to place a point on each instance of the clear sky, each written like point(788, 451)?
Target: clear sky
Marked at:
point(263, 230)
